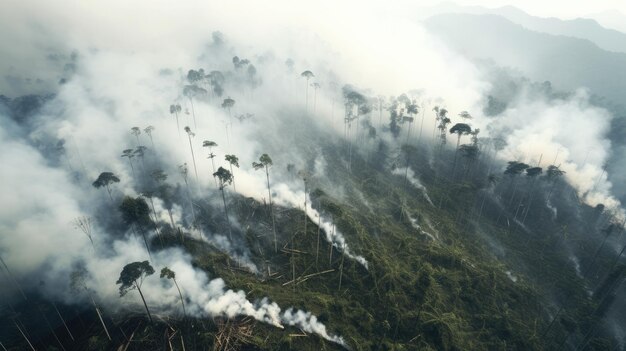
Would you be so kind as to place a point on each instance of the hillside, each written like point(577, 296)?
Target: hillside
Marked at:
point(287, 183)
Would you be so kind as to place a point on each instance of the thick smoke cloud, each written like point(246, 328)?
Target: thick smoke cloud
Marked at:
point(123, 65)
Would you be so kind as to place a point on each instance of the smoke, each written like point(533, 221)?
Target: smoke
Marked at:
point(569, 132)
point(413, 180)
point(120, 69)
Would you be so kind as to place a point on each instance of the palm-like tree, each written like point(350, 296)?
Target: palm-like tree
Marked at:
point(132, 277)
point(514, 169)
point(443, 125)
point(315, 86)
point(148, 130)
point(159, 178)
point(184, 171)
point(128, 153)
point(175, 110)
point(105, 179)
point(191, 91)
point(232, 161)
point(170, 274)
point(136, 132)
point(531, 172)
point(193, 158)
point(265, 162)
point(140, 151)
point(210, 144)
point(459, 129)
point(78, 279)
point(228, 104)
point(412, 109)
point(225, 178)
point(308, 75)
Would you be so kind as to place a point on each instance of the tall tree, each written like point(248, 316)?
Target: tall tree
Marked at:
point(193, 158)
point(553, 173)
point(232, 161)
point(315, 86)
point(225, 178)
point(265, 162)
point(533, 173)
point(164, 191)
point(105, 179)
point(459, 129)
point(170, 274)
point(140, 151)
point(128, 153)
point(132, 277)
point(191, 91)
point(513, 170)
point(84, 224)
point(78, 282)
point(210, 145)
point(228, 104)
point(307, 75)
point(148, 130)
point(175, 110)
point(216, 80)
point(136, 132)
point(136, 214)
point(148, 194)
point(184, 172)
point(443, 126)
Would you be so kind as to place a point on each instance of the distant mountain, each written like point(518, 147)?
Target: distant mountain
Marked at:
point(569, 63)
point(582, 28)
point(610, 19)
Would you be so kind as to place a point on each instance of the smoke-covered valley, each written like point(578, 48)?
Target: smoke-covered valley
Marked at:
point(240, 176)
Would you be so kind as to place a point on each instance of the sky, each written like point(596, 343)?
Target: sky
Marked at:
point(564, 9)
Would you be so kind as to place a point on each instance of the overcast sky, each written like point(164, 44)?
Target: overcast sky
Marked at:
point(564, 9)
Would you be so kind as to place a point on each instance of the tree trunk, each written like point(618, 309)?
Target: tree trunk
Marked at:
point(193, 112)
point(343, 255)
point(24, 335)
point(231, 172)
point(109, 191)
point(317, 251)
point(230, 234)
point(307, 96)
point(144, 301)
point(269, 194)
point(305, 216)
point(143, 235)
point(193, 158)
point(156, 219)
point(178, 125)
point(63, 321)
point(182, 301)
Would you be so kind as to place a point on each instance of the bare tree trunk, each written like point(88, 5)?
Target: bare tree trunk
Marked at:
point(178, 125)
point(269, 194)
point(317, 251)
point(230, 234)
point(24, 335)
point(51, 329)
point(343, 255)
point(144, 301)
point(193, 158)
point(63, 320)
point(182, 301)
point(330, 254)
point(193, 112)
point(231, 172)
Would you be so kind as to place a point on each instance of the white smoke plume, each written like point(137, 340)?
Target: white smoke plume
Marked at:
point(332, 235)
point(121, 69)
